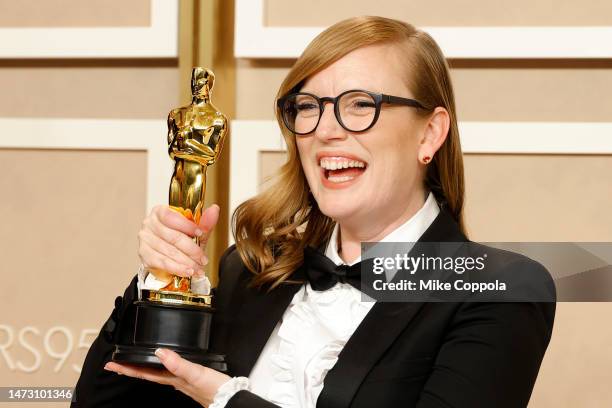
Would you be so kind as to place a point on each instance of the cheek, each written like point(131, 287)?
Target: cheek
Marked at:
point(392, 175)
point(395, 160)
point(304, 147)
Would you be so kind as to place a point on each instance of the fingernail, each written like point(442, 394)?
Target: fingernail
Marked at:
point(189, 271)
point(160, 353)
point(198, 232)
point(204, 260)
point(106, 367)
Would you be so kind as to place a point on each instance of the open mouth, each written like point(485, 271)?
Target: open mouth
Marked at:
point(339, 170)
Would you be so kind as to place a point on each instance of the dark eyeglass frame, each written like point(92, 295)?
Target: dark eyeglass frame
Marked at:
point(379, 99)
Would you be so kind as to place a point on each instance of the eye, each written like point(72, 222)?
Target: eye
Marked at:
point(360, 104)
point(357, 103)
point(305, 106)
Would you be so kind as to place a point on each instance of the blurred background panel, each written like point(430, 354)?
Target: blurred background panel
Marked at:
point(71, 215)
point(75, 13)
point(77, 136)
point(443, 12)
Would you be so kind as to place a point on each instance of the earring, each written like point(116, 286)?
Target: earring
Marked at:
point(426, 159)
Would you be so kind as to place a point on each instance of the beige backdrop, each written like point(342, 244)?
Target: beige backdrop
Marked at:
point(69, 218)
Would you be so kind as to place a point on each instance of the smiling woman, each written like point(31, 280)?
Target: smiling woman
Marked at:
point(368, 116)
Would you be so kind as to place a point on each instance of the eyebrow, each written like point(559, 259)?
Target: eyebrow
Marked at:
point(353, 88)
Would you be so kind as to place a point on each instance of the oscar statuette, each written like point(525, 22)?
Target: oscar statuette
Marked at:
point(178, 315)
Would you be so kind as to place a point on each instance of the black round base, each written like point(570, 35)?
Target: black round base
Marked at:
point(145, 356)
point(182, 328)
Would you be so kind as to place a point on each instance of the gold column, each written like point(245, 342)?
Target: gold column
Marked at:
point(206, 39)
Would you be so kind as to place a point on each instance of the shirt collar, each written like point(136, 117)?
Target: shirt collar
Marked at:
point(410, 231)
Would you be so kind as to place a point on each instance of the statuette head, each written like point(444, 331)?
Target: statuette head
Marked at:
point(202, 81)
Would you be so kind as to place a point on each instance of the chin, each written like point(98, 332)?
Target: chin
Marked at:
point(336, 210)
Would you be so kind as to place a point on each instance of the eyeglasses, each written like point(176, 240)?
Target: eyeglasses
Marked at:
point(356, 110)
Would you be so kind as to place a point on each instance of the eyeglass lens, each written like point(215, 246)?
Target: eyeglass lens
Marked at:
point(356, 111)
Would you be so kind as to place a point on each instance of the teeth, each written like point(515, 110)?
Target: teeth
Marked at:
point(340, 163)
point(340, 179)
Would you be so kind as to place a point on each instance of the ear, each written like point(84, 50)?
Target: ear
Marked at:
point(434, 134)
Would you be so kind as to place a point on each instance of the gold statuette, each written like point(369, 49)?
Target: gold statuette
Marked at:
point(196, 133)
point(177, 312)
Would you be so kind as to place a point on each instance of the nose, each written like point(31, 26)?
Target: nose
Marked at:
point(329, 128)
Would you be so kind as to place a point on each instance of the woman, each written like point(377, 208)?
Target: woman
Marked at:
point(373, 155)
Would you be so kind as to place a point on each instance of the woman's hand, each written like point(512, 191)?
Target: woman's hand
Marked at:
point(166, 245)
point(198, 382)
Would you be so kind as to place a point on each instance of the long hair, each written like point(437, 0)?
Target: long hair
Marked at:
point(272, 229)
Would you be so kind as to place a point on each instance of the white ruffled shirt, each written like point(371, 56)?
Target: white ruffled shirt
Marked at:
point(312, 332)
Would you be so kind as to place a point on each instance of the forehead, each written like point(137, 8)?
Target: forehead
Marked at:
point(377, 68)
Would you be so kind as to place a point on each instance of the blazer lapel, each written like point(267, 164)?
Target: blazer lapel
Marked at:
point(255, 321)
point(365, 347)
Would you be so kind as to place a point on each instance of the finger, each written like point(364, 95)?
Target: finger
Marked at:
point(177, 239)
point(173, 236)
point(152, 259)
point(159, 245)
point(192, 373)
point(173, 220)
point(143, 373)
point(209, 219)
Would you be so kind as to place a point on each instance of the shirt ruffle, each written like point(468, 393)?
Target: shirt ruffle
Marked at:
point(227, 391)
point(313, 332)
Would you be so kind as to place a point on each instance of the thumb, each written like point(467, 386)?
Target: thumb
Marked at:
point(209, 219)
point(178, 366)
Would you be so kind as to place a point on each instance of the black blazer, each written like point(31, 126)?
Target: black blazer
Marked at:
point(425, 355)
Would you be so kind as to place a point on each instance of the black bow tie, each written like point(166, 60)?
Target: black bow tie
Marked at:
point(323, 273)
